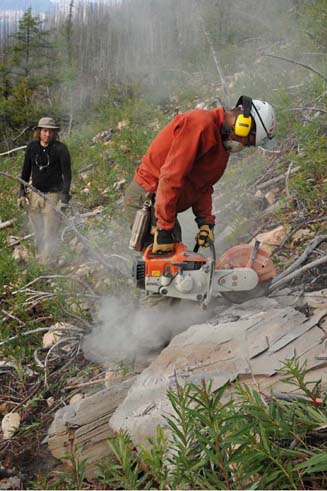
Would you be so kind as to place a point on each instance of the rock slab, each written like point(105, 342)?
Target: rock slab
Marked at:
point(248, 342)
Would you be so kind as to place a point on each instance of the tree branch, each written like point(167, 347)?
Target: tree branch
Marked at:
point(43, 329)
point(13, 150)
point(218, 67)
point(300, 260)
point(286, 279)
point(308, 67)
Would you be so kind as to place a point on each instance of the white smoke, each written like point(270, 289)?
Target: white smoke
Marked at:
point(125, 332)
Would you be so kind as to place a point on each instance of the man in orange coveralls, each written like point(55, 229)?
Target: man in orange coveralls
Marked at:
point(187, 158)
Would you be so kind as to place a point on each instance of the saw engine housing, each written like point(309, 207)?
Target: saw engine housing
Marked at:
point(188, 275)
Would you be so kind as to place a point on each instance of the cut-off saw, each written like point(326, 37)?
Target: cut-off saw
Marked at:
point(241, 273)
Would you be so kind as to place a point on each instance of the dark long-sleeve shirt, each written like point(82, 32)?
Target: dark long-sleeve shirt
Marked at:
point(50, 167)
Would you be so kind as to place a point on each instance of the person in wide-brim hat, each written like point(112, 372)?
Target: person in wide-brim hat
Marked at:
point(47, 163)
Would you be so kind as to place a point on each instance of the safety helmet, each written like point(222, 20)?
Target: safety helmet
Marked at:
point(265, 122)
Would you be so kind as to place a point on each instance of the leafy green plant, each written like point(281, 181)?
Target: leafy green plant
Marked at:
point(216, 441)
point(73, 476)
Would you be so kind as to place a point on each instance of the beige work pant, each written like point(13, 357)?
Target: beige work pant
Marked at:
point(45, 223)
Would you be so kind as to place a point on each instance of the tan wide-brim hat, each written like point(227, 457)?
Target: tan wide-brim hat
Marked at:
point(48, 123)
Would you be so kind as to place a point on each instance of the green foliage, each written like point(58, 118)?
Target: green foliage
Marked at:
point(30, 41)
point(219, 442)
point(72, 476)
point(26, 75)
point(313, 15)
point(309, 186)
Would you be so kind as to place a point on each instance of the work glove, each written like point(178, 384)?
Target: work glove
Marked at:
point(22, 200)
point(163, 241)
point(205, 235)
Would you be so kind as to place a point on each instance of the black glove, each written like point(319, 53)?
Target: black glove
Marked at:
point(163, 241)
point(21, 192)
point(65, 197)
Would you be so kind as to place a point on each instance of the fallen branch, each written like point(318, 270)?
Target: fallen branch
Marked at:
point(311, 247)
point(276, 285)
point(289, 197)
point(276, 180)
point(305, 109)
point(60, 341)
point(93, 213)
point(12, 316)
point(55, 276)
point(85, 384)
point(17, 241)
point(298, 227)
point(30, 395)
point(85, 323)
point(42, 329)
point(300, 64)
point(88, 167)
point(8, 223)
point(22, 132)
point(13, 150)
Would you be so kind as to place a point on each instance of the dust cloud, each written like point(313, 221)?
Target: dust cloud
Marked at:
point(125, 331)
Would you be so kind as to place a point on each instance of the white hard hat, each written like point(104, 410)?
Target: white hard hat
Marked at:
point(265, 122)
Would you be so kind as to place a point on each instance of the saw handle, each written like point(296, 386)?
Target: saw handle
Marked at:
point(253, 254)
point(196, 247)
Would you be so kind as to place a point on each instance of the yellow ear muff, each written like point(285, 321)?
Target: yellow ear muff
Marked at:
point(242, 125)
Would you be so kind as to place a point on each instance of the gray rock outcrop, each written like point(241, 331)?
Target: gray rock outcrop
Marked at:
point(248, 342)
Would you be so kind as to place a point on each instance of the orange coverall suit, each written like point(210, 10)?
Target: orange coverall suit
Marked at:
point(182, 164)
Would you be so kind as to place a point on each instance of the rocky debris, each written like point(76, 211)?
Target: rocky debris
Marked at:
point(83, 425)
point(76, 398)
point(11, 483)
point(119, 185)
point(50, 401)
point(272, 239)
point(13, 240)
point(85, 176)
point(248, 342)
point(297, 299)
point(122, 124)
point(104, 136)
point(302, 235)
point(52, 337)
point(271, 197)
point(21, 254)
point(9, 425)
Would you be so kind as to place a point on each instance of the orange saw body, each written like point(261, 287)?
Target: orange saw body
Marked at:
point(189, 275)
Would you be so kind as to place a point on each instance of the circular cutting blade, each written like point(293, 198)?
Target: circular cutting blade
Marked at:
point(240, 257)
point(239, 297)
